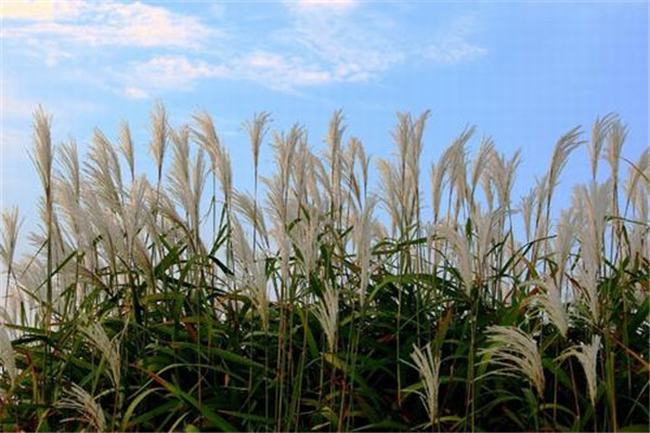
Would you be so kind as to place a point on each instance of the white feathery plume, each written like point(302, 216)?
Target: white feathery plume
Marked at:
point(109, 348)
point(251, 273)
point(159, 127)
point(187, 180)
point(334, 137)
point(594, 201)
point(132, 218)
point(244, 204)
point(587, 356)
point(7, 355)
point(638, 186)
point(515, 353)
point(458, 167)
point(104, 171)
point(68, 193)
point(550, 301)
point(71, 172)
point(526, 208)
point(126, 147)
point(503, 172)
point(390, 188)
point(42, 153)
point(257, 129)
point(599, 132)
point(326, 311)
point(356, 146)
point(362, 235)
point(437, 185)
point(461, 247)
point(563, 148)
point(616, 138)
point(428, 366)
point(564, 240)
point(412, 176)
point(11, 224)
point(85, 405)
point(306, 237)
point(482, 161)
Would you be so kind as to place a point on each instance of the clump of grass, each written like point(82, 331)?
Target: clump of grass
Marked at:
point(165, 304)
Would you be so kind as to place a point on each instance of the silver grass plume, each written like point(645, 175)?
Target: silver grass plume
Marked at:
point(563, 148)
point(550, 302)
point(514, 353)
point(109, 349)
point(638, 185)
point(305, 237)
point(257, 129)
point(461, 247)
point(251, 273)
point(68, 192)
point(503, 172)
point(481, 163)
point(185, 179)
point(7, 355)
point(206, 135)
point(85, 405)
point(457, 160)
point(42, 153)
point(11, 224)
point(599, 132)
point(587, 356)
point(616, 138)
point(526, 205)
point(564, 241)
point(126, 147)
point(390, 191)
point(326, 311)
point(104, 171)
point(428, 366)
point(362, 235)
point(159, 127)
point(333, 139)
point(594, 202)
point(244, 204)
point(356, 146)
point(437, 186)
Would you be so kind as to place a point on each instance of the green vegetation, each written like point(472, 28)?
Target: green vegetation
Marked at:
point(315, 303)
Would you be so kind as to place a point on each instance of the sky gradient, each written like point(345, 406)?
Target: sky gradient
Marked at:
point(522, 72)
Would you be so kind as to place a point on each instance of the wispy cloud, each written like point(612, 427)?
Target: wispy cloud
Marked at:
point(453, 42)
point(161, 73)
point(333, 5)
point(313, 43)
point(104, 23)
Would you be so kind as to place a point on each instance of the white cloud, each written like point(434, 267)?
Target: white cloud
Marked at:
point(453, 45)
point(319, 42)
point(280, 72)
point(105, 23)
point(38, 10)
point(333, 5)
point(133, 92)
point(167, 72)
point(453, 50)
point(348, 51)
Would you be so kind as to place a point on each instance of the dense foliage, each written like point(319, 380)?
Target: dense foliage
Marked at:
point(318, 304)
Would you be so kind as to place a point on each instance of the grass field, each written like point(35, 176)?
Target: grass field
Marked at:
point(321, 302)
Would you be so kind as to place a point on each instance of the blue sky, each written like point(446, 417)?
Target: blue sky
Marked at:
point(523, 72)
